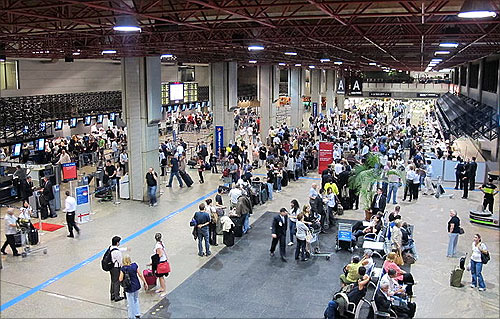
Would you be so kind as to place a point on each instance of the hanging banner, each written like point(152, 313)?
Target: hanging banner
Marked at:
point(325, 155)
point(356, 87)
point(315, 109)
point(219, 139)
point(341, 86)
point(379, 94)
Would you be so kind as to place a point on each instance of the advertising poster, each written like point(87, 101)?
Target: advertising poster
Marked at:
point(219, 139)
point(82, 204)
point(325, 155)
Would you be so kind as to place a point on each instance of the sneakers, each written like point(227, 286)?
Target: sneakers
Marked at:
point(482, 289)
point(290, 243)
point(472, 286)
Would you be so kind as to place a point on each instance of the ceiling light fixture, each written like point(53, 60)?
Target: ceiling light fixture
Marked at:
point(252, 61)
point(76, 53)
point(290, 53)
point(3, 58)
point(441, 52)
point(436, 60)
point(337, 62)
point(298, 64)
point(282, 64)
point(312, 67)
point(448, 45)
point(477, 9)
point(166, 56)
point(372, 63)
point(255, 47)
point(126, 23)
point(324, 60)
point(108, 52)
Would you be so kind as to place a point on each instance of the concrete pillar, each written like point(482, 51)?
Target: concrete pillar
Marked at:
point(480, 81)
point(295, 85)
point(141, 96)
point(467, 79)
point(268, 88)
point(224, 96)
point(330, 90)
point(340, 97)
point(315, 81)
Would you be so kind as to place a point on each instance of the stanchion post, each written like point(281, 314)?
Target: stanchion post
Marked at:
point(116, 195)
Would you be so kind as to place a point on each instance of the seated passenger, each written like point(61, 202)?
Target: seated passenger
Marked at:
point(374, 227)
point(402, 277)
point(359, 290)
point(395, 214)
point(385, 301)
point(351, 272)
point(395, 288)
point(367, 260)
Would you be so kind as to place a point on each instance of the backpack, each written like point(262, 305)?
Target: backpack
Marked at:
point(107, 261)
point(126, 283)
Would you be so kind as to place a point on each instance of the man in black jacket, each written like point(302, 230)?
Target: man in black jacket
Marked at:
point(47, 196)
point(279, 227)
point(382, 298)
point(472, 173)
point(26, 188)
point(378, 202)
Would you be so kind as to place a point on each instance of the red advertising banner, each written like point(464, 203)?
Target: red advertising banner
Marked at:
point(325, 155)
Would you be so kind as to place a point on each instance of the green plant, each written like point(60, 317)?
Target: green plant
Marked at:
point(364, 177)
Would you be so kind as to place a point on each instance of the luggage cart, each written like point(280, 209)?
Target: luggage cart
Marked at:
point(344, 237)
point(26, 245)
point(440, 192)
point(315, 245)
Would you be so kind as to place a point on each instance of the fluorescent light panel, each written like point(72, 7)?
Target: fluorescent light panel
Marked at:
point(255, 47)
point(290, 53)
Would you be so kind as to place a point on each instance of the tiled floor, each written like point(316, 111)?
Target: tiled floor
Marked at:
point(52, 286)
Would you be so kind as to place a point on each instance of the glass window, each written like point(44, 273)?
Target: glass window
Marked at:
point(9, 79)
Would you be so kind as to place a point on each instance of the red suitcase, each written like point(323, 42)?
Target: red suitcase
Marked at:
point(150, 278)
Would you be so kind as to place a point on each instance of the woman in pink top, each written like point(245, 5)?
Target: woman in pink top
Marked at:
point(403, 276)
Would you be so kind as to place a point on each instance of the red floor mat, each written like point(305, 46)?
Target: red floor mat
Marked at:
point(48, 227)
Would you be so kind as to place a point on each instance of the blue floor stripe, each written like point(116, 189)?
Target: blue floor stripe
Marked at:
point(99, 254)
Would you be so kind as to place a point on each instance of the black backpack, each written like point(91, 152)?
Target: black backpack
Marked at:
point(126, 283)
point(107, 261)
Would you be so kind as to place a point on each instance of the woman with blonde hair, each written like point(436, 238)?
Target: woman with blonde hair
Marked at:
point(129, 277)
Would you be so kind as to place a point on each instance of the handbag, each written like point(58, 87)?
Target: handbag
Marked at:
point(485, 257)
point(163, 268)
point(193, 222)
point(461, 231)
point(309, 236)
point(399, 259)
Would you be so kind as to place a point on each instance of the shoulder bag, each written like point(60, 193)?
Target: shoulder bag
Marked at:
point(485, 257)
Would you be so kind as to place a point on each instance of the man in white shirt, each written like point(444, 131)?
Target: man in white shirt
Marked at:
point(117, 259)
point(69, 209)
point(114, 148)
point(10, 230)
point(234, 194)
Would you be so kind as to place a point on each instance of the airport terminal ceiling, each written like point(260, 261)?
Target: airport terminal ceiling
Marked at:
point(363, 35)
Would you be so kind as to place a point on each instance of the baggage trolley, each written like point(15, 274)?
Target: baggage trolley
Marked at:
point(26, 246)
point(315, 246)
point(344, 237)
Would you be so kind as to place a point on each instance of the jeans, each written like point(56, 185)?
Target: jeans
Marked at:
point(133, 307)
point(393, 189)
point(176, 174)
point(152, 194)
point(246, 223)
point(428, 185)
point(452, 244)
point(203, 235)
point(278, 181)
point(270, 190)
point(477, 277)
point(411, 247)
point(293, 229)
point(300, 249)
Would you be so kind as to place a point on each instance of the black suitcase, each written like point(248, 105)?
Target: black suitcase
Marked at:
point(238, 226)
point(224, 189)
point(284, 180)
point(18, 239)
point(228, 238)
point(186, 178)
point(191, 163)
point(33, 236)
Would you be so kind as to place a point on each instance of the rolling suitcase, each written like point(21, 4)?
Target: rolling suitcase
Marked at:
point(33, 236)
point(457, 273)
point(228, 238)
point(238, 226)
point(186, 178)
point(263, 194)
point(18, 239)
point(284, 180)
point(150, 278)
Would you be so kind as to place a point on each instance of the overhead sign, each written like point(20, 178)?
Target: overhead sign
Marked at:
point(380, 94)
point(315, 109)
point(325, 155)
point(341, 86)
point(219, 139)
point(356, 87)
point(427, 94)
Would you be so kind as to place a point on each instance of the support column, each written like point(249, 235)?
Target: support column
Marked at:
point(268, 88)
point(315, 81)
point(480, 81)
point(224, 97)
point(141, 95)
point(467, 79)
point(330, 89)
point(295, 84)
point(340, 97)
